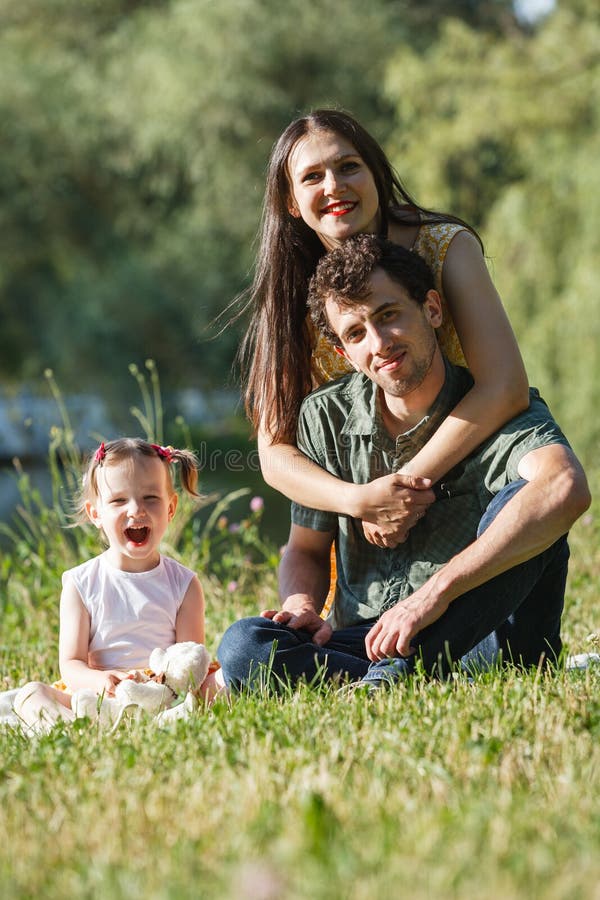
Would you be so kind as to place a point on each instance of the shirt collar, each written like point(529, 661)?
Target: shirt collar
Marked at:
point(361, 393)
point(365, 416)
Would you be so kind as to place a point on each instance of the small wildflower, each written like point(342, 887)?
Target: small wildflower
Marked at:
point(256, 504)
point(222, 522)
point(232, 586)
point(234, 528)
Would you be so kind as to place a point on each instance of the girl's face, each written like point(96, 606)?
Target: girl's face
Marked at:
point(331, 188)
point(133, 507)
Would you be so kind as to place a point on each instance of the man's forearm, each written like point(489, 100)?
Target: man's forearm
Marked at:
point(303, 579)
point(532, 520)
point(543, 510)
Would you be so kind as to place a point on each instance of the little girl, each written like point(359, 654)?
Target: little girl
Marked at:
point(117, 607)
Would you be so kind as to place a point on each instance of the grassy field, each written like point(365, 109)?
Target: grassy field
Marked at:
point(452, 790)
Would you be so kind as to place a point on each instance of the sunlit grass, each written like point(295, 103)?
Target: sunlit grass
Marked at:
point(458, 790)
point(462, 789)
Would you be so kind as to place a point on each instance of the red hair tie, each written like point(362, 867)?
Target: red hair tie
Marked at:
point(164, 452)
point(100, 453)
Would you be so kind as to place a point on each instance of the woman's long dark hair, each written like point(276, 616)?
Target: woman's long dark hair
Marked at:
point(275, 353)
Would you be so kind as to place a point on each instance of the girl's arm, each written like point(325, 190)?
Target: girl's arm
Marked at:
point(501, 389)
point(73, 643)
point(189, 624)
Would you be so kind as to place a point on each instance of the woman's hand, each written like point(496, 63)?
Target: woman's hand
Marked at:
point(393, 499)
point(393, 504)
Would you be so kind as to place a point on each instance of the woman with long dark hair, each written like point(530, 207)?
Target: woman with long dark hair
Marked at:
point(328, 179)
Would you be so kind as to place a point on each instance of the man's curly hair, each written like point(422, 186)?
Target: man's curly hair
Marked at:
point(344, 275)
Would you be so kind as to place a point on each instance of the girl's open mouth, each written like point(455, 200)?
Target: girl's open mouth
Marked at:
point(137, 535)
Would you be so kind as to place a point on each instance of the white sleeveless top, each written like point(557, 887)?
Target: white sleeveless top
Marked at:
point(131, 613)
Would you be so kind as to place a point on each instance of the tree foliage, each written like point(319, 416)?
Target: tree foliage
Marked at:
point(131, 171)
point(135, 138)
point(506, 134)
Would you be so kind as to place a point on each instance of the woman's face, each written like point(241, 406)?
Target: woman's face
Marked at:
point(331, 188)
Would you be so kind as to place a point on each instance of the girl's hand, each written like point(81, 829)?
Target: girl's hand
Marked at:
point(398, 500)
point(112, 677)
point(138, 675)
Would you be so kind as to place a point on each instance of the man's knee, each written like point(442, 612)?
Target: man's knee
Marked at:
point(245, 645)
point(498, 502)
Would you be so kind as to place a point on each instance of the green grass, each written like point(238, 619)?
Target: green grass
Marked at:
point(461, 790)
point(482, 789)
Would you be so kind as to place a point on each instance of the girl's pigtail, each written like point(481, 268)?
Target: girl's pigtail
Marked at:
point(189, 470)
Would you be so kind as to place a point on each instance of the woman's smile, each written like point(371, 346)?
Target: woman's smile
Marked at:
point(331, 188)
point(340, 208)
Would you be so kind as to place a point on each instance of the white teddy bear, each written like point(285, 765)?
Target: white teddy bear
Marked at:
point(181, 667)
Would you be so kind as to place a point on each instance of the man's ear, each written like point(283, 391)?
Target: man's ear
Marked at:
point(342, 352)
point(432, 307)
point(93, 514)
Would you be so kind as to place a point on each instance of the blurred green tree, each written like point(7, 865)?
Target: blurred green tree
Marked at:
point(506, 133)
point(135, 138)
point(135, 141)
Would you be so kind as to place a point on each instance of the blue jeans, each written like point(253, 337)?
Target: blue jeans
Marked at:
point(514, 617)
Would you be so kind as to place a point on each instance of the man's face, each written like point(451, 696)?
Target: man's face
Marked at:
point(388, 336)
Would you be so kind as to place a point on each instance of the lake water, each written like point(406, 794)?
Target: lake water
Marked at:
point(228, 461)
point(219, 479)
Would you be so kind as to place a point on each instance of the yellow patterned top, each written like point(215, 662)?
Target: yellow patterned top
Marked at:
point(432, 244)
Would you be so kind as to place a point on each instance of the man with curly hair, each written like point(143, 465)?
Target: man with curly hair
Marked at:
point(477, 575)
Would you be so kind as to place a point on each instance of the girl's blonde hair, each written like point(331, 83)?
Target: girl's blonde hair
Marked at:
point(114, 452)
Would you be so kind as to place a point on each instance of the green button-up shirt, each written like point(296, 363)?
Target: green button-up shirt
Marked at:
point(341, 428)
